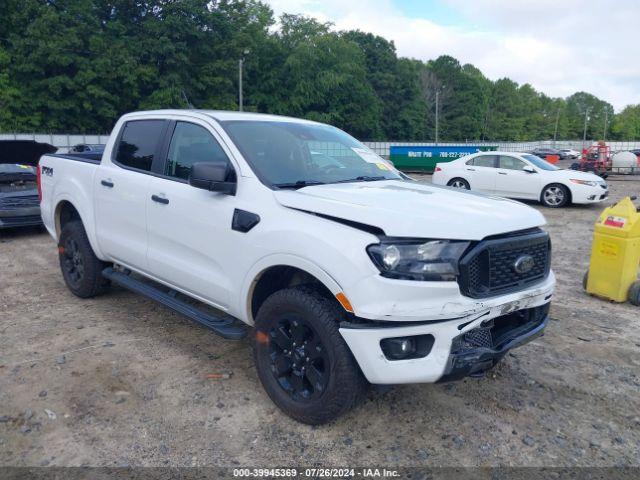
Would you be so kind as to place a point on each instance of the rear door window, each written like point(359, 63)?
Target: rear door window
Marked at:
point(511, 163)
point(485, 161)
point(139, 143)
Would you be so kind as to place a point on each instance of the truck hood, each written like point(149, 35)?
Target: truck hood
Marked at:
point(411, 209)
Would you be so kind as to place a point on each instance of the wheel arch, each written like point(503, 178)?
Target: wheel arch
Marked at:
point(567, 187)
point(65, 211)
point(283, 271)
point(458, 177)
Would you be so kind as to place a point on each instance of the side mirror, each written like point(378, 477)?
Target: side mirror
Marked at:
point(213, 176)
point(529, 169)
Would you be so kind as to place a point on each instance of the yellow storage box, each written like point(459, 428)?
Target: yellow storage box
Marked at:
point(615, 254)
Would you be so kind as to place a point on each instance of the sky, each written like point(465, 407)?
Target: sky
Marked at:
point(558, 46)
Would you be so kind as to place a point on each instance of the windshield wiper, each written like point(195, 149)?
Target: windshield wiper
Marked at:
point(364, 178)
point(298, 184)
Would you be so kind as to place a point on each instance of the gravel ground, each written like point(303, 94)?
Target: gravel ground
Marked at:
point(119, 381)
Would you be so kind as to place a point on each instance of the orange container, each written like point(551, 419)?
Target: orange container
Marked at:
point(553, 159)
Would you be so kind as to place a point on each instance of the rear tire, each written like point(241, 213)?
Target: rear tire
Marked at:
point(459, 183)
point(303, 362)
point(81, 269)
point(555, 195)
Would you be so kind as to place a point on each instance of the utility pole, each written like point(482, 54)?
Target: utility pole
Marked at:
point(437, 95)
point(240, 65)
point(584, 136)
point(438, 90)
point(555, 131)
point(604, 134)
point(240, 62)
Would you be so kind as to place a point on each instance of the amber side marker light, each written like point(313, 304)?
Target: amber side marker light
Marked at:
point(262, 337)
point(344, 301)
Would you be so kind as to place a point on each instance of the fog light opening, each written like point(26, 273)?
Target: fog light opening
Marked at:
point(405, 348)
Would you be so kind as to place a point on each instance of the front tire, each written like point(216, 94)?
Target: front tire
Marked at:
point(81, 269)
point(555, 195)
point(303, 362)
point(459, 183)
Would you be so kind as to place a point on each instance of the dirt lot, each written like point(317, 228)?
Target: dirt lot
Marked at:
point(119, 380)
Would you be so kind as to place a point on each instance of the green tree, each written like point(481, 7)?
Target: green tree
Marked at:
point(327, 81)
point(626, 125)
point(461, 99)
point(582, 103)
point(396, 84)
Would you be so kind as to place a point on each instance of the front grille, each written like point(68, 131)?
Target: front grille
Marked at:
point(19, 202)
point(490, 267)
point(500, 331)
point(478, 337)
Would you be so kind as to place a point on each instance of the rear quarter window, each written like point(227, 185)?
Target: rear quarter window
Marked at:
point(139, 143)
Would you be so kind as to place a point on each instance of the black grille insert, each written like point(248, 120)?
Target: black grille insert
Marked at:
point(490, 267)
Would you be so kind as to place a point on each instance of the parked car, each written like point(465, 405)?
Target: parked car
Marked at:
point(522, 176)
point(543, 152)
point(88, 150)
point(19, 204)
point(347, 271)
point(569, 153)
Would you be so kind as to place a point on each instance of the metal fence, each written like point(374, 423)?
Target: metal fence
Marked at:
point(65, 141)
point(382, 148)
point(62, 141)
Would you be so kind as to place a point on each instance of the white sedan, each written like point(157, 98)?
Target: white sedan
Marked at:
point(522, 176)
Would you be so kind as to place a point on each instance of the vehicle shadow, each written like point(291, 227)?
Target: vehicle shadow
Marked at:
point(16, 233)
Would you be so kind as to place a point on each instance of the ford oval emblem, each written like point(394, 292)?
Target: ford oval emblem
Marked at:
point(524, 264)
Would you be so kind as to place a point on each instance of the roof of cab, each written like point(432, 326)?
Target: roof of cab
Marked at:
point(225, 115)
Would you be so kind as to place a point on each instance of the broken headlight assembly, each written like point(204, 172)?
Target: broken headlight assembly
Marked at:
point(427, 260)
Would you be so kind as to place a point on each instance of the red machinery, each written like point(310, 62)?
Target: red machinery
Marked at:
point(596, 159)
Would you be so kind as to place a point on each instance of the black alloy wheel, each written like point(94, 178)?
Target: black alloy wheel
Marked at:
point(303, 363)
point(299, 360)
point(72, 261)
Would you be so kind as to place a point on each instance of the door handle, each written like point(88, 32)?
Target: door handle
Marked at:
point(159, 199)
point(502, 173)
point(471, 169)
point(107, 183)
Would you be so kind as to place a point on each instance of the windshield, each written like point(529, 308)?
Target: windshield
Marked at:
point(538, 162)
point(290, 155)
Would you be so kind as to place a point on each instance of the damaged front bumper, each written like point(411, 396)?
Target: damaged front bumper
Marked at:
point(480, 349)
point(452, 353)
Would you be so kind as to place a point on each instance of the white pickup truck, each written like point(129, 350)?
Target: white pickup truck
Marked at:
point(347, 270)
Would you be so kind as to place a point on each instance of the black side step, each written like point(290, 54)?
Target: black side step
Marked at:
point(225, 327)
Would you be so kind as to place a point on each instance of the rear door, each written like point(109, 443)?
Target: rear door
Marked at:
point(191, 243)
point(121, 191)
point(512, 181)
point(481, 171)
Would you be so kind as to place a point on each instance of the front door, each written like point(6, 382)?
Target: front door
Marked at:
point(514, 182)
point(190, 236)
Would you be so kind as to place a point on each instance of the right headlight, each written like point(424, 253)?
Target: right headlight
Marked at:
point(584, 182)
point(427, 260)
